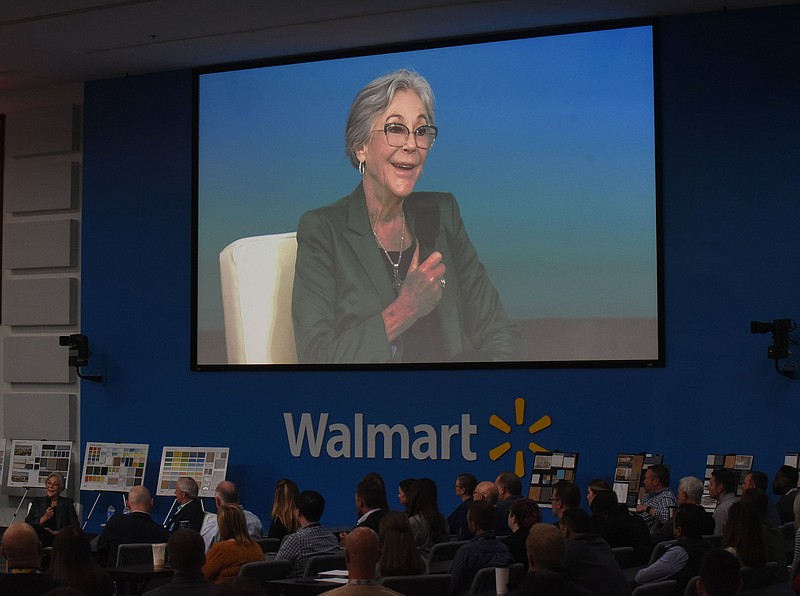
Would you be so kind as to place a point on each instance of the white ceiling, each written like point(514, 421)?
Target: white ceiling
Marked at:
point(46, 42)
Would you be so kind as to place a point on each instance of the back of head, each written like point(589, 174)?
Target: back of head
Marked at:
point(311, 505)
point(399, 554)
point(599, 484)
point(362, 552)
point(547, 547)
point(604, 502)
point(743, 532)
point(186, 550)
point(284, 502)
point(787, 476)
point(511, 482)
point(487, 491)
point(468, 482)
point(424, 498)
point(526, 512)
point(568, 492)
point(690, 519)
point(481, 514)
point(21, 546)
point(726, 478)
point(693, 487)
point(71, 553)
point(232, 523)
point(377, 480)
point(576, 520)
point(139, 499)
point(760, 479)
point(370, 493)
point(188, 485)
point(719, 573)
point(227, 492)
point(662, 473)
point(757, 499)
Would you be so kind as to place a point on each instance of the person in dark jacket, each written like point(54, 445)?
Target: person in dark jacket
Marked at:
point(620, 527)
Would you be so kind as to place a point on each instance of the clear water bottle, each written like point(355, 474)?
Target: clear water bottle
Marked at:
point(109, 512)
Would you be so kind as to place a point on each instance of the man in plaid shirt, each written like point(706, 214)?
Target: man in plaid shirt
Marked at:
point(658, 504)
point(311, 538)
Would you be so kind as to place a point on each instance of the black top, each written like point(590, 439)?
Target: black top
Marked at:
point(136, 527)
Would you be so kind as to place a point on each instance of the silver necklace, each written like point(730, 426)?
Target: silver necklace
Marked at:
point(397, 283)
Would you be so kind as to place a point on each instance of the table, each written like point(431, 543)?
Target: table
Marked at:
point(298, 586)
point(134, 579)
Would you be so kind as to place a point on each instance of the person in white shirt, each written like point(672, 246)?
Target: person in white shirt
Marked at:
point(226, 492)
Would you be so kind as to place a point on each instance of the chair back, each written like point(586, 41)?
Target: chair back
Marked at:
point(264, 571)
point(134, 554)
point(662, 588)
point(442, 554)
point(484, 581)
point(269, 545)
point(759, 577)
point(318, 563)
point(623, 556)
point(418, 585)
point(257, 274)
point(714, 539)
point(660, 548)
point(691, 587)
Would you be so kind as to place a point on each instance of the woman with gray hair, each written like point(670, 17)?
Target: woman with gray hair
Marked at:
point(50, 513)
point(387, 274)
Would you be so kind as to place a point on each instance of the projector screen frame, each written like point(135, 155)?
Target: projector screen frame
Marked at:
point(431, 44)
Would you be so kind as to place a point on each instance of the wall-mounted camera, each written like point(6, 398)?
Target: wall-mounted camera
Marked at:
point(781, 340)
point(79, 354)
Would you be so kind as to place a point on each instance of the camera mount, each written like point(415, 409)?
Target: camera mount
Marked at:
point(781, 340)
point(79, 354)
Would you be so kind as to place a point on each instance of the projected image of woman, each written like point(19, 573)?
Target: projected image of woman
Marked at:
point(387, 274)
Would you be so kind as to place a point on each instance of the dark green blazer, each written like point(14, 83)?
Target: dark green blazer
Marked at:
point(64, 516)
point(341, 286)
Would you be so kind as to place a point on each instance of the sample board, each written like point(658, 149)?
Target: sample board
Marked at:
point(741, 465)
point(207, 465)
point(31, 462)
point(548, 468)
point(113, 466)
point(629, 475)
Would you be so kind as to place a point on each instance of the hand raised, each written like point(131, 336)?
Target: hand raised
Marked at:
point(422, 288)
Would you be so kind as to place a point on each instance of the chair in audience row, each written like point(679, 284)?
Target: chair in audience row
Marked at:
point(441, 556)
point(419, 585)
point(484, 581)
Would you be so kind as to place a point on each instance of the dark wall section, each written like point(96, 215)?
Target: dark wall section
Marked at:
point(729, 90)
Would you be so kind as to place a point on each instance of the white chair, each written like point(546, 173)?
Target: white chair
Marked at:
point(257, 274)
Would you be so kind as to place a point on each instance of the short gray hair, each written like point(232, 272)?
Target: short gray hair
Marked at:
point(375, 98)
point(691, 486)
point(188, 485)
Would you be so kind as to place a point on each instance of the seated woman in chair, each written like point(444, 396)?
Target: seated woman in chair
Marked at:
point(235, 547)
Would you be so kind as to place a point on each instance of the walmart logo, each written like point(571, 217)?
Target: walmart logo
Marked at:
point(503, 448)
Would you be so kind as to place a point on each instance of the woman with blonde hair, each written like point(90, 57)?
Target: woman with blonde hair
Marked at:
point(283, 505)
point(235, 546)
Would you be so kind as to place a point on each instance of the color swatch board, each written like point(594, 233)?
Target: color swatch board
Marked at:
point(549, 468)
point(207, 465)
point(2, 457)
point(31, 462)
point(113, 466)
point(629, 475)
point(741, 465)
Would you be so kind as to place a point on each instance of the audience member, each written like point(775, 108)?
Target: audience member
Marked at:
point(719, 574)
point(658, 502)
point(399, 554)
point(457, 521)
point(619, 527)
point(235, 546)
point(680, 562)
point(523, 515)
point(190, 510)
point(283, 518)
point(311, 538)
point(22, 551)
point(595, 486)
point(773, 539)
point(362, 554)
point(227, 493)
point(743, 537)
point(722, 488)
point(136, 527)
point(378, 479)
point(428, 525)
point(483, 550)
point(403, 492)
point(72, 562)
point(690, 492)
point(547, 549)
point(186, 552)
point(369, 498)
point(48, 514)
point(566, 495)
point(509, 489)
point(487, 491)
point(756, 479)
point(590, 562)
point(785, 486)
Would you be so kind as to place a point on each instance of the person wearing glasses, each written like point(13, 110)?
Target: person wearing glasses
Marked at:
point(389, 275)
point(50, 513)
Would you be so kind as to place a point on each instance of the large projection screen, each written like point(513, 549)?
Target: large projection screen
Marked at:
point(547, 143)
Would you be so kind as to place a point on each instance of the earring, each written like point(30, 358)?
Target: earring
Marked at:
point(361, 166)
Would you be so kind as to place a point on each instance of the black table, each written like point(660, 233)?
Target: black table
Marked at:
point(299, 586)
point(134, 579)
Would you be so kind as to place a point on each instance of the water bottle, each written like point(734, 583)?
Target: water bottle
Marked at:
point(109, 512)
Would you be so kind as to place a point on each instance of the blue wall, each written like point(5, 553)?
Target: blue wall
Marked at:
point(729, 91)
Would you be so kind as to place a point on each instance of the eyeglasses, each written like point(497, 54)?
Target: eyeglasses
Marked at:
point(397, 134)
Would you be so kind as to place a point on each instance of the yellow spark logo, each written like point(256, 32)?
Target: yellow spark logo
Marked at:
point(502, 425)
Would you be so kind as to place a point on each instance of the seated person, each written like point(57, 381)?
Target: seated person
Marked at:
point(186, 552)
point(235, 546)
point(190, 510)
point(22, 551)
point(457, 521)
point(680, 562)
point(523, 515)
point(226, 492)
point(484, 550)
point(719, 574)
point(620, 527)
point(137, 527)
point(362, 554)
point(547, 549)
point(690, 491)
point(50, 513)
point(311, 538)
